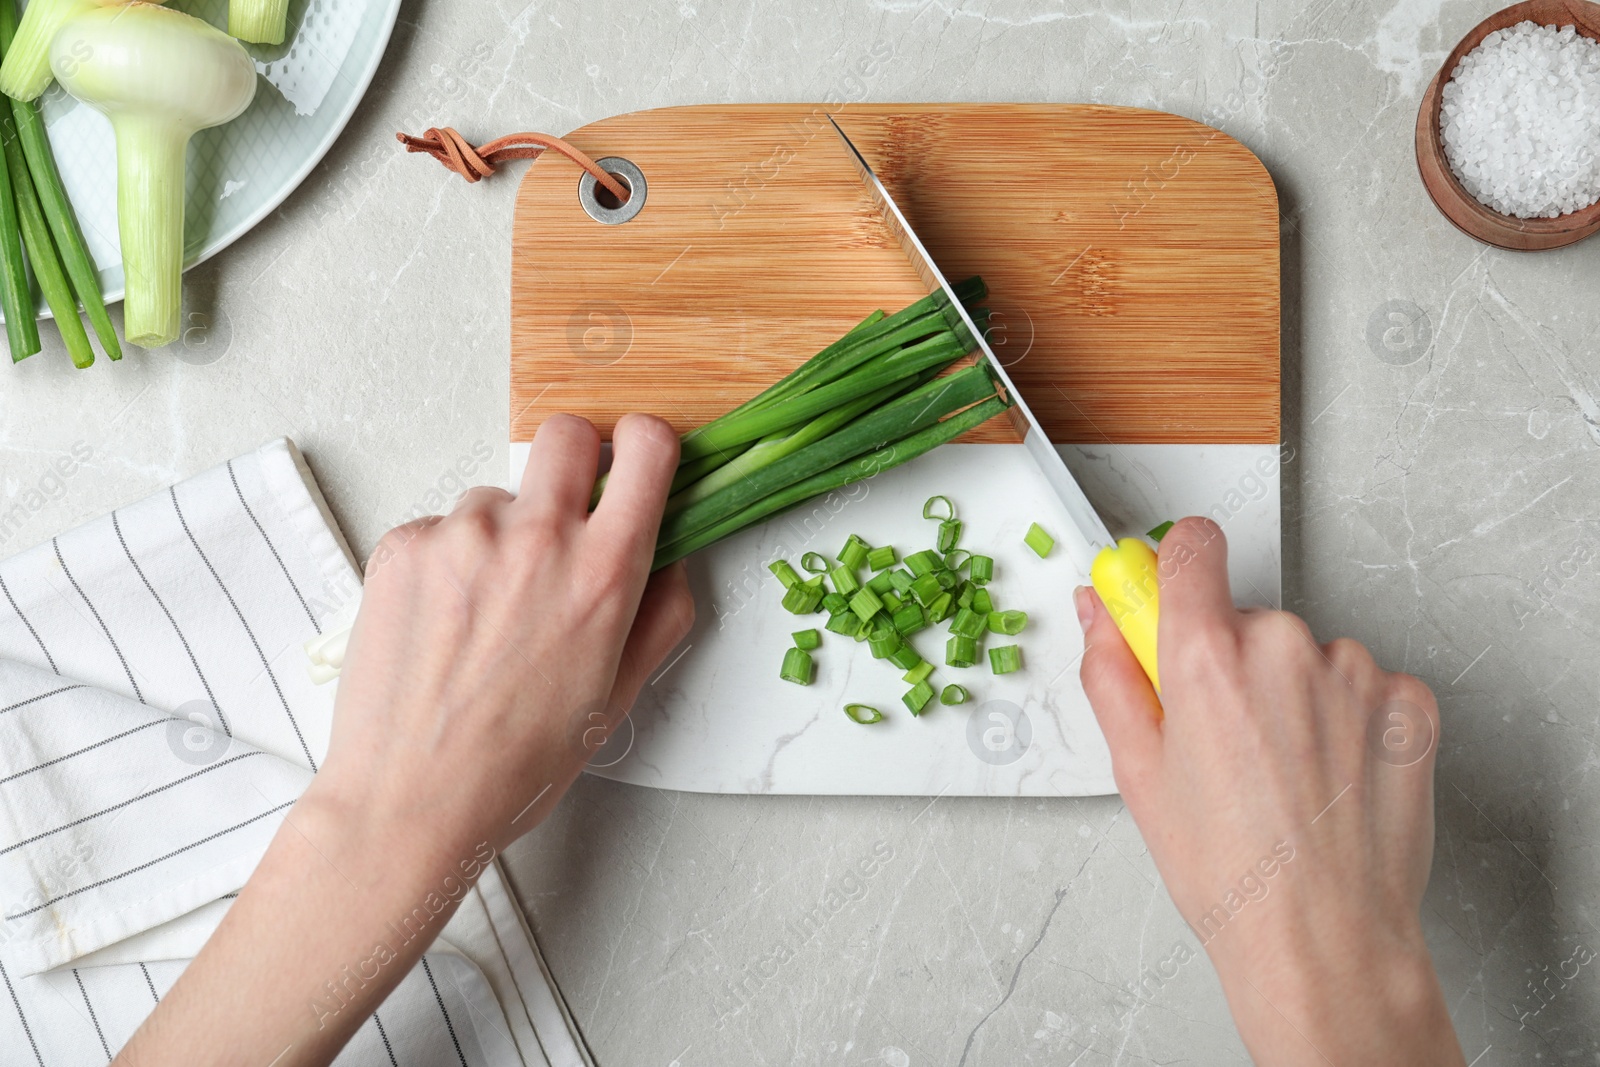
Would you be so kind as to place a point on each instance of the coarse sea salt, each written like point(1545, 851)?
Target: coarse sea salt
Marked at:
point(1520, 119)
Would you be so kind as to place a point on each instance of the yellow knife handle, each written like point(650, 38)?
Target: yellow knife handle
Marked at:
point(1125, 578)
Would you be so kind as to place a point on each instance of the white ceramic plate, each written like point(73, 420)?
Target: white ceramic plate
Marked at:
point(240, 172)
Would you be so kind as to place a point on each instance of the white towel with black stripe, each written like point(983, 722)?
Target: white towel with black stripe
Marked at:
point(156, 724)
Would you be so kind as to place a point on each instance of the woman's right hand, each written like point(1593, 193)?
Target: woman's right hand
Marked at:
point(1285, 791)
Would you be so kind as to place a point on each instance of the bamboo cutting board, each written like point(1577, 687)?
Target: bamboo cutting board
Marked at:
point(1132, 256)
point(1133, 262)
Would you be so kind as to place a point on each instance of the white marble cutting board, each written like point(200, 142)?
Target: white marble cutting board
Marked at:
point(717, 718)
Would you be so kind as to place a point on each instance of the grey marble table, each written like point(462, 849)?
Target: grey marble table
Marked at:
point(1440, 396)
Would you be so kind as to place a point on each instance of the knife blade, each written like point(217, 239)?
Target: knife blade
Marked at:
point(1090, 532)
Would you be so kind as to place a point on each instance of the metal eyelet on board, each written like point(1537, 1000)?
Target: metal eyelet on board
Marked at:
point(590, 192)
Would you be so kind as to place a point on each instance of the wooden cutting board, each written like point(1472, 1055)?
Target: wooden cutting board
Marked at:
point(1132, 256)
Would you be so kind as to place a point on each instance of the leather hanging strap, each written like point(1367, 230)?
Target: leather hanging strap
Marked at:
point(473, 164)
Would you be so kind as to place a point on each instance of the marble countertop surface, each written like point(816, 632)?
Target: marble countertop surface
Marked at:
point(1441, 401)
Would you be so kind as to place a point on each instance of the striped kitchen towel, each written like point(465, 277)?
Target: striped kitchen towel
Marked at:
point(156, 724)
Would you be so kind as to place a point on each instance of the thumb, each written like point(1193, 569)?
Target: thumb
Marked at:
point(1124, 703)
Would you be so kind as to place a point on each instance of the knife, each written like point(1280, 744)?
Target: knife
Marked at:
point(1128, 574)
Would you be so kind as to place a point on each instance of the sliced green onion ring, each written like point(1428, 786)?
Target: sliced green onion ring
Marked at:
point(865, 714)
point(814, 563)
point(949, 508)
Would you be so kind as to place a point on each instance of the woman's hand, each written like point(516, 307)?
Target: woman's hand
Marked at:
point(498, 647)
point(495, 650)
point(1285, 790)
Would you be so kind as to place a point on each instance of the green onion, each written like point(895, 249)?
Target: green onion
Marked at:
point(865, 604)
point(844, 623)
point(814, 563)
point(900, 581)
point(22, 327)
point(1003, 659)
point(854, 553)
point(949, 534)
point(917, 673)
point(941, 607)
point(63, 222)
point(805, 640)
point(957, 558)
point(960, 651)
point(922, 563)
point(881, 583)
point(931, 510)
point(802, 599)
point(865, 714)
point(879, 558)
point(905, 657)
point(910, 413)
point(1161, 531)
point(925, 589)
point(891, 600)
point(1038, 540)
point(964, 594)
point(947, 579)
point(953, 694)
point(909, 619)
point(855, 470)
point(834, 603)
point(885, 645)
point(967, 623)
point(785, 573)
point(797, 667)
point(844, 579)
point(917, 697)
point(982, 569)
point(982, 601)
point(258, 21)
point(1009, 623)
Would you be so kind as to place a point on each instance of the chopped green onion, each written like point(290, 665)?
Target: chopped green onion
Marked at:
point(1009, 623)
point(879, 558)
point(885, 645)
point(880, 583)
point(784, 572)
point(964, 594)
point(1161, 531)
point(957, 558)
point(865, 714)
point(909, 619)
point(901, 581)
point(1038, 540)
point(921, 563)
point(947, 579)
point(953, 694)
point(925, 589)
point(905, 657)
point(806, 640)
point(960, 651)
point(844, 623)
point(982, 601)
point(917, 673)
point(891, 601)
point(802, 599)
point(917, 697)
point(929, 512)
point(844, 579)
point(968, 623)
point(949, 534)
point(854, 553)
point(814, 563)
point(865, 604)
point(940, 609)
point(982, 569)
point(797, 667)
point(1003, 659)
point(834, 603)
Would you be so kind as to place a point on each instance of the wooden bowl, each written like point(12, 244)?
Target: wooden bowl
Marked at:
point(1449, 196)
